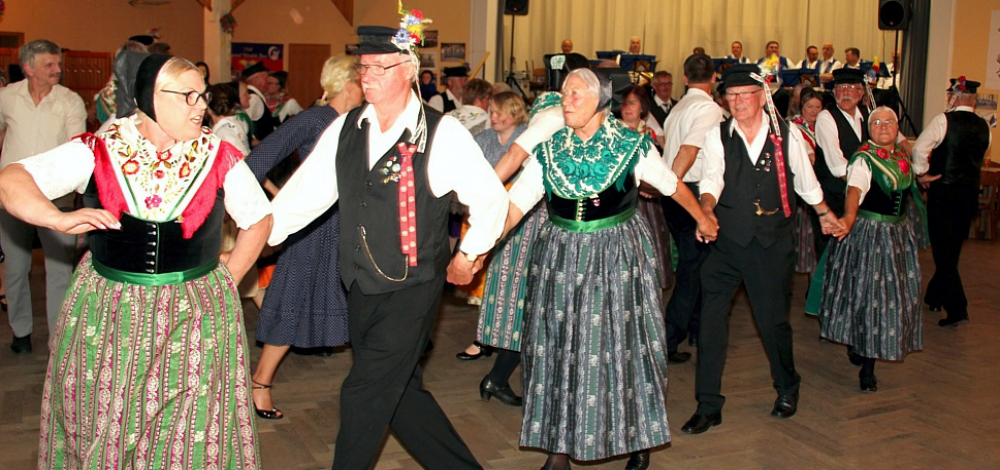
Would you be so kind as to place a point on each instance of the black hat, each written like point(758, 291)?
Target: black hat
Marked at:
point(741, 75)
point(970, 86)
point(456, 72)
point(847, 75)
point(144, 39)
point(257, 67)
point(377, 40)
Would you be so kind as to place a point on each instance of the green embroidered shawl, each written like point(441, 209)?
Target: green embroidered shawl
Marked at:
point(890, 170)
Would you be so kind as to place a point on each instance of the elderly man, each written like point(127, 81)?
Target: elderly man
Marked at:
point(955, 142)
point(264, 122)
point(567, 46)
point(852, 58)
point(736, 49)
point(36, 115)
point(451, 99)
point(828, 65)
point(474, 114)
point(685, 130)
point(393, 164)
point(663, 87)
point(812, 59)
point(749, 175)
point(839, 132)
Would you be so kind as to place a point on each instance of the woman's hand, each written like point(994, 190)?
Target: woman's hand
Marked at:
point(85, 220)
point(844, 226)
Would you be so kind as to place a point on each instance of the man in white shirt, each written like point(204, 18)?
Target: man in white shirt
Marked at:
point(36, 115)
point(828, 65)
point(474, 113)
point(839, 132)
point(685, 131)
point(451, 99)
point(812, 59)
point(755, 245)
point(852, 58)
point(736, 49)
point(392, 164)
point(255, 76)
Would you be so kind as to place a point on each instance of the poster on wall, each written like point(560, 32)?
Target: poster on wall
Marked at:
point(993, 55)
point(247, 53)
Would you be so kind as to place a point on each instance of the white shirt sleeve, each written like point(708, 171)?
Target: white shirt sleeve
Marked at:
point(311, 190)
point(713, 173)
point(457, 164)
point(540, 128)
point(653, 170)
point(62, 170)
point(233, 133)
point(704, 116)
point(245, 200)
point(76, 118)
point(859, 175)
point(436, 102)
point(805, 183)
point(257, 107)
point(290, 109)
point(529, 188)
point(828, 138)
point(929, 139)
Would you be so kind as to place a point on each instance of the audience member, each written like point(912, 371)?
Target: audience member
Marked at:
point(736, 53)
point(451, 99)
point(852, 58)
point(474, 114)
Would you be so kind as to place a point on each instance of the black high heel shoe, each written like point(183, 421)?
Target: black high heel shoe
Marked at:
point(638, 461)
point(505, 394)
point(483, 351)
point(273, 413)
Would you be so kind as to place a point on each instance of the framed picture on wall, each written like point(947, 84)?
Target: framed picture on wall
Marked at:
point(452, 52)
point(430, 38)
point(427, 60)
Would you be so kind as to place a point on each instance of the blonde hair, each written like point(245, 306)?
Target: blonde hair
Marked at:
point(172, 70)
point(337, 71)
point(509, 103)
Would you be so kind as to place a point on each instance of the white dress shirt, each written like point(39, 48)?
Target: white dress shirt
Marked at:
point(32, 129)
point(687, 124)
point(257, 105)
point(828, 138)
point(828, 66)
point(437, 101)
point(456, 164)
point(713, 181)
point(231, 129)
point(741, 60)
point(805, 64)
point(931, 138)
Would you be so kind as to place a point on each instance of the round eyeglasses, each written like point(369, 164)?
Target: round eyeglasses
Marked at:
point(376, 69)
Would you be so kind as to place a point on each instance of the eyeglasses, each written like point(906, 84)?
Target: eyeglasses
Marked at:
point(849, 86)
point(191, 97)
point(883, 122)
point(376, 69)
point(731, 96)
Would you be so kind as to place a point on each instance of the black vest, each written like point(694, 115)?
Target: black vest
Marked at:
point(142, 246)
point(658, 112)
point(264, 126)
point(608, 203)
point(834, 188)
point(877, 201)
point(961, 153)
point(746, 183)
point(369, 210)
point(449, 105)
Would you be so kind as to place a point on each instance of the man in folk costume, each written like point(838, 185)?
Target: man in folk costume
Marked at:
point(393, 165)
point(839, 132)
point(753, 162)
point(451, 99)
point(955, 142)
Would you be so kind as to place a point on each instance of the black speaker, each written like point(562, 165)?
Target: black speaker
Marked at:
point(893, 14)
point(515, 7)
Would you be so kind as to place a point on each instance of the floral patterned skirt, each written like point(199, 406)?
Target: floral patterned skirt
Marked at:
point(594, 355)
point(148, 377)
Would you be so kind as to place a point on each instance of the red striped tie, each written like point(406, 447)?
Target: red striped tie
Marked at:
point(779, 160)
point(407, 203)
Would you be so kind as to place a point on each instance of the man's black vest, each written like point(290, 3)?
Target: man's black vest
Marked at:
point(658, 113)
point(746, 184)
point(961, 153)
point(449, 105)
point(835, 188)
point(264, 126)
point(369, 214)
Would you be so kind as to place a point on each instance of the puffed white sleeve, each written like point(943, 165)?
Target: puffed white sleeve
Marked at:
point(859, 175)
point(245, 200)
point(62, 170)
point(528, 189)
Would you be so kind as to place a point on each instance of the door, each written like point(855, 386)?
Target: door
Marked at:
point(305, 64)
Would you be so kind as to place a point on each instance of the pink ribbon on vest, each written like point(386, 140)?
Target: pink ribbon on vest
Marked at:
point(779, 160)
point(407, 203)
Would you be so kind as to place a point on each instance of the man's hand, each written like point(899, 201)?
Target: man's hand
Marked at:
point(708, 229)
point(461, 270)
point(925, 180)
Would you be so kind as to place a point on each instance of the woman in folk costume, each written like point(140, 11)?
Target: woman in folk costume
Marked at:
point(594, 355)
point(871, 290)
point(149, 360)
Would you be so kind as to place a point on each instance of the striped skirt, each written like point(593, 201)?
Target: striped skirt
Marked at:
point(871, 291)
point(148, 377)
point(594, 355)
point(652, 210)
point(502, 311)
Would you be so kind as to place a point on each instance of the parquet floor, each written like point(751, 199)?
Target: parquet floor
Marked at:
point(940, 409)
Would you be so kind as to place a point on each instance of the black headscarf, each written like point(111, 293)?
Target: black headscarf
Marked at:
point(136, 73)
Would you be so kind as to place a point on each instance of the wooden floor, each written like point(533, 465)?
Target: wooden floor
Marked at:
point(940, 409)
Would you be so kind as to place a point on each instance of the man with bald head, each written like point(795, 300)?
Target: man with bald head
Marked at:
point(635, 45)
point(567, 46)
point(828, 65)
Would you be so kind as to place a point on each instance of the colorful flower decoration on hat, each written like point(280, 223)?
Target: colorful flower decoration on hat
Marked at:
point(959, 85)
point(155, 33)
point(411, 29)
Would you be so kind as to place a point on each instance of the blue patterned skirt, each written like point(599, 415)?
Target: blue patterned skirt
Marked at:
point(594, 355)
point(871, 291)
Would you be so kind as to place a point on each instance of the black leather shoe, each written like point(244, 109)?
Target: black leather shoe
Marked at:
point(786, 406)
point(868, 382)
point(952, 322)
point(483, 351)
point(506, 396)
point(700, 422)
point(638, 460)
point(21, 345)
point(678, 357)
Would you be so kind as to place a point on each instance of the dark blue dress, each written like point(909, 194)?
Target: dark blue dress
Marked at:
point(306, 304)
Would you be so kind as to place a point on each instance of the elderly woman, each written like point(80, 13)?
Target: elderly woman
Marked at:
point(305, 305)
point(871, 292)
point(594, 357)
point(149, 362)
